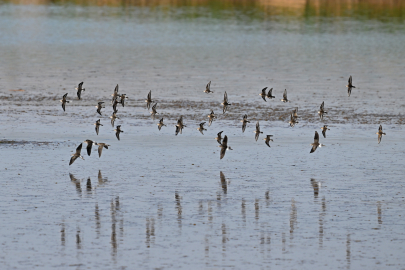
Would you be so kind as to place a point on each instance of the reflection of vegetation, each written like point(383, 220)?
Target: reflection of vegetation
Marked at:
point(253, 9)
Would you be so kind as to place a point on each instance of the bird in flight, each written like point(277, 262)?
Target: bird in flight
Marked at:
point(224, 146)
point(268, 139)
point(99, 107)
point(244, 122)
point(118, 131)
point(322, 111)
point(316, 142)
point(285, 99)
point(76, 155)
point(225, 103)
point(257, 131)
point(79, 89)
point(64, 101)
point(208, 88)
point(350, 86)
point(148, 99)
point(98, 124)
point(324, 129)
point(263, 94)
point(380, 133)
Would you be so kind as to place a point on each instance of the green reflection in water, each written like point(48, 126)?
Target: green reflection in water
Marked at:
point(381, 10)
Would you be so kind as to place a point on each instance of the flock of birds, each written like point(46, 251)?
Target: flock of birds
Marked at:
point(223, 142)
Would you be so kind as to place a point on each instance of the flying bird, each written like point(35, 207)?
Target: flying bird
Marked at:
point(224, 146)
point(113, 117)
point(263, 94)
point(211, 117)
point(285, 96)
point(89, 145)
point(322, 110)
point(380, 133)
point(257, 131)
point(76, 155)
point(64, 101)
point(201, 128)
point(219, 137)
point(99, 107)
point(180, 125)
point(293, 120)
point(100, 148)
point(118, 131)
point(268, 139)
point(148, 99)
point(115, 95)
point(79, 89)
point(115, 103)
point(98, 124)
point(225, 103)
point(153, 112)
point(270, 94)
point(350, 86)
point(295, 113)
point(160, 124)
point(244, 122)
point(316, 142)
point(122, 101)
point(324, 129)
point(208, 88)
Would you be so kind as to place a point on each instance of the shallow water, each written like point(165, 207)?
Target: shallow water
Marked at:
point(156, 200)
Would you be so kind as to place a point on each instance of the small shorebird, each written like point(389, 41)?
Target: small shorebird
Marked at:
point(180, 125)
point(113, 117)
point(98, 124)
point(293, 120)
point(350, 86)
point(322, 110)
point(211, 118)
point(285, 96)
point(324, 129)
point(99, 107)
point(79, 89)
point(380, 133)
point(118, 131)
point(64, 101)
point(244, 122)
point(257, 131)
point(316, 142)
point(76, 155)
point(153, 112)
point(89, 145)
point(295, 113)
point(224, 146)
point(268, 139)
point(148, 99)
point(122, 101)
point(263, 94)
point(115, 95)
point(219, 137)
point(270, 94)
point(208, 88)
point(225, 103)
point(201, 128)
point(115, 103)
point(160, 124)
point(100, 147)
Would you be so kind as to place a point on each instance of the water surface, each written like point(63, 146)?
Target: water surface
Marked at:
point(156, 200)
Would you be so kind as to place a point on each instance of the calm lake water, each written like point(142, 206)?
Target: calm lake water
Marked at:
point(156, 200)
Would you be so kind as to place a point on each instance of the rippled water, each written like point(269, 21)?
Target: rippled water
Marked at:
point(156, 200)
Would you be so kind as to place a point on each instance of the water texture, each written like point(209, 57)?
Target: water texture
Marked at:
point(156, 200)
